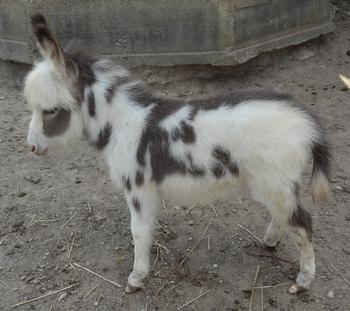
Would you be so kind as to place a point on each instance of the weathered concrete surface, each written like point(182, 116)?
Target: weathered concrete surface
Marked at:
point(167, 32)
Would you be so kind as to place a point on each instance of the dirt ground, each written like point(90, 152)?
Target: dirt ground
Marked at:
point(62, 209)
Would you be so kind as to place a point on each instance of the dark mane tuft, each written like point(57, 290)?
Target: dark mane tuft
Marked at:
point(85, 61)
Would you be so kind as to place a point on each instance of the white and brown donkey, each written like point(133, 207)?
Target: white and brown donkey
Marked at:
point(187, 151)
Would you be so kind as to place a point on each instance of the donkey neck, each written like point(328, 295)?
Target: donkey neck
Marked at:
point(109, 107)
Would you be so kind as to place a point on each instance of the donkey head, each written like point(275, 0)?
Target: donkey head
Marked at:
point(54, 91)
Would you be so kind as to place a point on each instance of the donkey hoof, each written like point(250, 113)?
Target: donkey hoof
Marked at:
point(131, 289)
point(296, 289)
point(270, 245)
point(271, 249)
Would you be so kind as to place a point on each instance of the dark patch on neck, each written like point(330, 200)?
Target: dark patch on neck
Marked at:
point(302, 219)
point(91, 103)
point(104, 136)
point(56, 124)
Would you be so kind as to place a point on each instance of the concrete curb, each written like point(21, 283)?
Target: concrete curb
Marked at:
point(167, 32)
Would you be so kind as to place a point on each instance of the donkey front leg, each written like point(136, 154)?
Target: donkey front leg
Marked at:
point(273, 233)
point(144, 207)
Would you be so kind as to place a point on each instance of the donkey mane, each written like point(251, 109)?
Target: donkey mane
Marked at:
point(84, 61)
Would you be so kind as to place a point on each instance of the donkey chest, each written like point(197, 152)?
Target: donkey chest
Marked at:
point(120, 156)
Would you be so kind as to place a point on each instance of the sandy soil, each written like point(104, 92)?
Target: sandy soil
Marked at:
point(62, 209)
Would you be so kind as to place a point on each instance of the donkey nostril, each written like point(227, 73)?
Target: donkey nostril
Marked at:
point(33, 148)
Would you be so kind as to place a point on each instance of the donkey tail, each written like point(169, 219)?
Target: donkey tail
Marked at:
point(321, 170)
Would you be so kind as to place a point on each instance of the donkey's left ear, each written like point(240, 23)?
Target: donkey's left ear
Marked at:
point(49, 47)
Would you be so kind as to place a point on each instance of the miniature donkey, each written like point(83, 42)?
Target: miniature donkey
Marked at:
point(185, 151)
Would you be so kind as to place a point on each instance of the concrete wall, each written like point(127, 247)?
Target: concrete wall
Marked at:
point(167, 32)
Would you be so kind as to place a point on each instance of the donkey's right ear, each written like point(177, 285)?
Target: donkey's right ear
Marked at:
point(49, 47)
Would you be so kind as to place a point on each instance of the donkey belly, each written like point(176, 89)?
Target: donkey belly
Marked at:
point(186, 190)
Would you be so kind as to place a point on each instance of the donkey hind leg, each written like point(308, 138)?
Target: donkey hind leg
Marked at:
point(144, 207)
point(300, 229)
point(287, 214)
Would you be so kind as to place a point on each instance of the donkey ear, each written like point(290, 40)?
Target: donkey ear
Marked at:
point(50, 49)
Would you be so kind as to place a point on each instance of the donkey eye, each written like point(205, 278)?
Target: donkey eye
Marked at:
point(50, 111)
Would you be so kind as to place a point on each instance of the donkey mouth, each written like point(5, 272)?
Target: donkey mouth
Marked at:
point(38, 152)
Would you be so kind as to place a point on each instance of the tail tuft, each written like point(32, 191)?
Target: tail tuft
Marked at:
point(321, 171)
